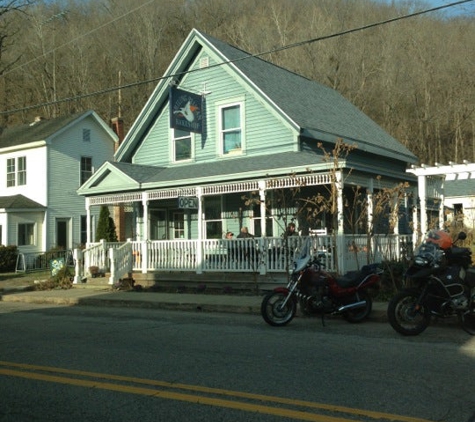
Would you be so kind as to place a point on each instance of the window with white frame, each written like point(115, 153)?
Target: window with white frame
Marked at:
point(182, 145)
point(21, 173)
point(231, 130)
point(213, 217)
point(16, 171)
point(11, 173)
point(86, 169)
point(26, 234)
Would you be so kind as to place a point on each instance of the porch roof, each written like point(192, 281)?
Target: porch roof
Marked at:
point(16, 202)
point(237, 169)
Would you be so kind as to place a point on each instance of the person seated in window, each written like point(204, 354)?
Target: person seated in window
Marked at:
point(244, 233)
point(290, 231)
point(248, 251)
point(231, 249)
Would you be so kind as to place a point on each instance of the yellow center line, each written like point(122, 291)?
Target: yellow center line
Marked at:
point(195, 398)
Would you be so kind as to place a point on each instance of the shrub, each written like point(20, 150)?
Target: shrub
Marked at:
point(61, 280)
point(8, 257)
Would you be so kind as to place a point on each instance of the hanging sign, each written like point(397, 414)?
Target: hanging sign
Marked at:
point(185, 111)
point(187, 202)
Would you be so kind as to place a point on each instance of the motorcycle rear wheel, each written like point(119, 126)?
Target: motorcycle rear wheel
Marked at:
point(360, 314)
point(467, 319)
point(274, 311)
point(406, 316)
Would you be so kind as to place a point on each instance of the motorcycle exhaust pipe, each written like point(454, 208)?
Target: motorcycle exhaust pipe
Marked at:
point(344, 308)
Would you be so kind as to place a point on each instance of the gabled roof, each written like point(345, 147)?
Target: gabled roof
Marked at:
point(118, 177)
point(18, 202)
point(318, 111)
point(45, 129)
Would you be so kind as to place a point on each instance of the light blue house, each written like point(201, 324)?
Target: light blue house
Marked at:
point(249, 129)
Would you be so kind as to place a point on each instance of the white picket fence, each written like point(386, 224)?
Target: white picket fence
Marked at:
point(259, 255)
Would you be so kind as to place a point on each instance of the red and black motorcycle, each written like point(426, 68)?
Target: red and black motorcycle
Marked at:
point(318, 292)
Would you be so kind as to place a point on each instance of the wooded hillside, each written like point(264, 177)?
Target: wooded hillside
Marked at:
point(415, 76)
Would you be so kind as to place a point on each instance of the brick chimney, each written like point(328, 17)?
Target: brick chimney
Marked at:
point(117, 125)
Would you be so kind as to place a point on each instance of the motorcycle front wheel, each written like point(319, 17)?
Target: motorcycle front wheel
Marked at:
point(275, 312)
point(361, 313)
point(406, 315)
point(467, 319)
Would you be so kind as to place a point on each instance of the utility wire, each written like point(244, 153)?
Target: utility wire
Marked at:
point(274, 50)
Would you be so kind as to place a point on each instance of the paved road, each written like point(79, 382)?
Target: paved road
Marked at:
point(91, 363)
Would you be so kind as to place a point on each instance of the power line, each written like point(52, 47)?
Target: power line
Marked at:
point(274, 50)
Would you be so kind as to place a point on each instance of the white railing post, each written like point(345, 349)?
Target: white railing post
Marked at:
point(113, 266)
point(78, 265)
point(144, 255)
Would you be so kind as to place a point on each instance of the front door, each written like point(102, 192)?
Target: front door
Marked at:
point(62, 233)
point(158, 224)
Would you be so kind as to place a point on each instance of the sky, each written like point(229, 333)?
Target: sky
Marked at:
point(463, 9)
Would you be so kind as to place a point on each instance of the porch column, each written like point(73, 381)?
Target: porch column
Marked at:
point(422, 192)
point(369, 206)
point(199, 246)
point(415, 221)
point(145, 233)
point(441, 204)
point(262, 198)
point(340, 233)
point(88, 221)
point(339, 201)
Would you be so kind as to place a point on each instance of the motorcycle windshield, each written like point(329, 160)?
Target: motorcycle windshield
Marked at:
point(302, 255)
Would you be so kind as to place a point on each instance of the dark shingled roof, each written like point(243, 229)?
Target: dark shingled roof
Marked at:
point(319, 110)
point(459, 187)
point(35, 131)
point(17, 202)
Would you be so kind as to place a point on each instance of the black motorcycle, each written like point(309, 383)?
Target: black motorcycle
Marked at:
point(440, 283)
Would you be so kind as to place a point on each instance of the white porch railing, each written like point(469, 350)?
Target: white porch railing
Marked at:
point(260, 255)
point(121, 262)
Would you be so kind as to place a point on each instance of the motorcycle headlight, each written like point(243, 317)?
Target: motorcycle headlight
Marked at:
point(419, 260)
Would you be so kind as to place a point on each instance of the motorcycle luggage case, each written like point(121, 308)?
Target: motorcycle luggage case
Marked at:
point(470, 277)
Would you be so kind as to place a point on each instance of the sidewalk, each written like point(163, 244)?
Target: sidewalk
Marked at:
point(76, 296)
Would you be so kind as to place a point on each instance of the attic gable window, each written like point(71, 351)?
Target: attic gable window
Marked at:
point(182, 145)
point(86, 135)
point(231, 128)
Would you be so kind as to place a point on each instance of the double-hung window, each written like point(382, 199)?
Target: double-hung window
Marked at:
point(231, 128)
point(11, 172)
point(26, 234)
point(182, 145)
point(16, 171)
point(86, 169)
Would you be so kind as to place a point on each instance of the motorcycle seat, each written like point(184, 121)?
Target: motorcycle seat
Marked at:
point(353, 278)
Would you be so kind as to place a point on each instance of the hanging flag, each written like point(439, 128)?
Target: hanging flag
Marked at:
point(185, 111)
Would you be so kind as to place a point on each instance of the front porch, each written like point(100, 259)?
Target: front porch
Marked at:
point(266, 259)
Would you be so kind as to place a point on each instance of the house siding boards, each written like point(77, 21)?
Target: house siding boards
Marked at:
point(53, 149)
point(264, 130)
point(36, 176)
point(65, 158)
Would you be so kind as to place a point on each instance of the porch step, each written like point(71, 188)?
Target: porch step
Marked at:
point(219, 282)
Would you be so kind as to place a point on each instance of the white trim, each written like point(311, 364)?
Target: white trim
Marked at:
point(220, 106)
